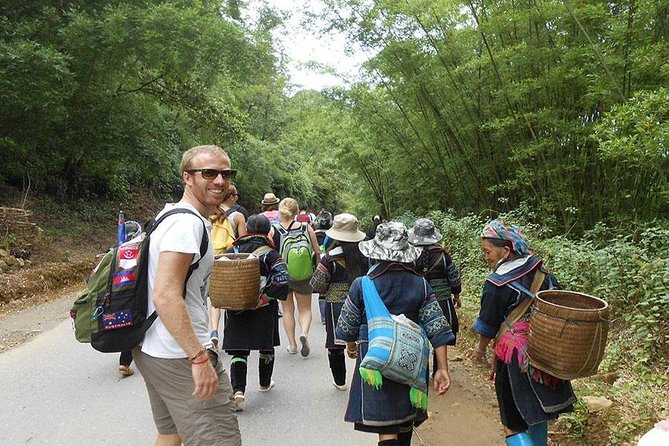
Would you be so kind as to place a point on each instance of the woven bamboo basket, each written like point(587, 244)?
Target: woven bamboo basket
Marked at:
point(568, 332)
point(235, 281)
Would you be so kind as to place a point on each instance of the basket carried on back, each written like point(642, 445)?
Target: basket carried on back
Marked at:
point(235, 281)
point(568, 332)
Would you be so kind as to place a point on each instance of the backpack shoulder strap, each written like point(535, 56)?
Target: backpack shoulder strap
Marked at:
point(204, 245)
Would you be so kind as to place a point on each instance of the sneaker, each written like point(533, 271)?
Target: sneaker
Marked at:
point(214, 338)
point(268, 388)
point(125, 370)
point(304, 351)
point(292, 350)
point(239, 401)
point(341, 387)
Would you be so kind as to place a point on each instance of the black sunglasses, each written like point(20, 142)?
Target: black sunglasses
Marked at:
point(212, 174)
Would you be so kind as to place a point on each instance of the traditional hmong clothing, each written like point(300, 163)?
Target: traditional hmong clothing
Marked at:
point(526, 396)
point(330, 279)
point(256, 329)
point(403, 291)
point(444, 278)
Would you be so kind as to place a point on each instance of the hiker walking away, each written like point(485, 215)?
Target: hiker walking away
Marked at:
point(527, 397)
point(389, 410)
point(256, 329)
point(190, 392)
point(300, 289)
point(437, 266)
point(304, 216)
point(237, 222)
point(371, 229)
point(269, 207)
point(333, 277)
point(322, 223)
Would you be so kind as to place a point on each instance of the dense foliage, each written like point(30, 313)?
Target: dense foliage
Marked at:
point(490, 104)
point(101, 98)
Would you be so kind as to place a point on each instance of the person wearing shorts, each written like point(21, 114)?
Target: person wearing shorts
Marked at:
point(189, 391)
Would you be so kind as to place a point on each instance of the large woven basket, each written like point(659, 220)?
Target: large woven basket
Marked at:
point(568, 332)
point(235, 282)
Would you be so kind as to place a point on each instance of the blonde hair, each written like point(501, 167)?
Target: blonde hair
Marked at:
point(189, 154)
point(288, 207)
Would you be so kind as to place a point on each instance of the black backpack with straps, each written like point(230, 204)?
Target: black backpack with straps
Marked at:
point(111, 313)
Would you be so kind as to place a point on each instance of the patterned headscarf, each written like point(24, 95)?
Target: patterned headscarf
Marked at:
point(498, 230)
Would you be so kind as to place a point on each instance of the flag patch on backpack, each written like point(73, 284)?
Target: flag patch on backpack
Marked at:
point(111, 313)
point(297, 252)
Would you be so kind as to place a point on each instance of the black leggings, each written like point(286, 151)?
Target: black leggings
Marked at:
point(238, 368)
point(337, 365)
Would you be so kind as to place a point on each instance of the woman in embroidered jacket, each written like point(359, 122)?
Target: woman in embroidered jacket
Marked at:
point(388, 411)
point(527, 397)
point(342, 263)
point(256, 329)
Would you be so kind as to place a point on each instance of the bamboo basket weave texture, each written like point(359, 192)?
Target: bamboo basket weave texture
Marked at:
point(235, 282)
point(568, 333)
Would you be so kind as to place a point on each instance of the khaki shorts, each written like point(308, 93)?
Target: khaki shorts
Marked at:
point(169, 383)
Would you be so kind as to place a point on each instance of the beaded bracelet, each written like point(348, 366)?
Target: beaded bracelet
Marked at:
point(200, 353)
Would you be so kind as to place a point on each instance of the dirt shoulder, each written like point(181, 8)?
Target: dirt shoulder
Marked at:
point(21, 320)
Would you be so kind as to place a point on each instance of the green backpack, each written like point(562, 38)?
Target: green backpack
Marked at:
point(111, 312)
point(297, 252)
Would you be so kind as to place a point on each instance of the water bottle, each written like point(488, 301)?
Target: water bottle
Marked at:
point(121, 234)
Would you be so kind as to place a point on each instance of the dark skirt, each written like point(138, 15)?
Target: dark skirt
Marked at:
point(523, 401)
point(251, 329)
point(332, 312)
point(386, 410)
point(448, 308)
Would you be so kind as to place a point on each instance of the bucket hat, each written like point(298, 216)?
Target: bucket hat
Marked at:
point(424, 233)
point(345, 229)
point(269, 198)
point(390, 243)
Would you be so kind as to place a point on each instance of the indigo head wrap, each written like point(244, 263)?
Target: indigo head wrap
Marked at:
point(498, 230)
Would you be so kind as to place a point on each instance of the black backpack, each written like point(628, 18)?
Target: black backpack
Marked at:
point(111, 314)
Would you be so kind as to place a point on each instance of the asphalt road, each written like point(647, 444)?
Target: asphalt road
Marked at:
point(56, 391)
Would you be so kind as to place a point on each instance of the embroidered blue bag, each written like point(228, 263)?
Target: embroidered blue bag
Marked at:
point(398, 348)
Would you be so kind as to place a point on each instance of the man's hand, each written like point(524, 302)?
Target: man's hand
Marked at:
point(456, 301)
point(442, 381)
point(205, 379)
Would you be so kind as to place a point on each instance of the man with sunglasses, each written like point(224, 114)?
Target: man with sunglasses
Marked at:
point(188, 388)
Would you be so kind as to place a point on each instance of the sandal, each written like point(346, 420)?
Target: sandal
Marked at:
point(239, 401)
point(125, 370)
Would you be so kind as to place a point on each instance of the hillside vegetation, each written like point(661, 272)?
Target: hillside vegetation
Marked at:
point(550, 114)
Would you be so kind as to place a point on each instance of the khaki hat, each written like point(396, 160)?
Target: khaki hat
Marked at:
point(270, 198)
point(345, 229)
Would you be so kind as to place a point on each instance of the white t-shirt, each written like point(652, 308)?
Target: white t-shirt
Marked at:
point(180, 233)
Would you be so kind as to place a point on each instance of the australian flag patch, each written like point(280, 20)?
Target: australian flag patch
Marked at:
point(117, 319)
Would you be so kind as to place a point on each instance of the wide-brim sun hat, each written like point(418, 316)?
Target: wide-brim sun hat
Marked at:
point(391, 243)
point(424, 233)
point(345, 229)
point(269, 198)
